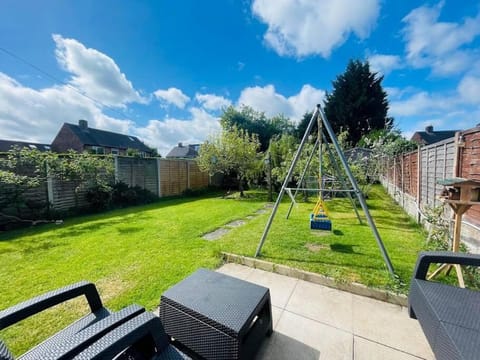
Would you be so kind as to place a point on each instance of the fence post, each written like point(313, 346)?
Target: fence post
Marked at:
point(394, 177)
point(115, 157)
point(419, 183)
point(458, 159)
point(49, 187)
point(402, 179)
point(159, 165)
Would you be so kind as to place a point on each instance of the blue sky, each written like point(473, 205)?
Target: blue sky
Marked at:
point(163, 70)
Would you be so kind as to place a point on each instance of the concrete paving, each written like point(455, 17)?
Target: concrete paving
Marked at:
point(312, 321)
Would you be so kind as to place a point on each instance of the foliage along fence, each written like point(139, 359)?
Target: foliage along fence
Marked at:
point(162, 177)
point(411, 178)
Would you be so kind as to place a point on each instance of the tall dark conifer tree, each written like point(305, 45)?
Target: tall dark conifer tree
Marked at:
point(358, 103)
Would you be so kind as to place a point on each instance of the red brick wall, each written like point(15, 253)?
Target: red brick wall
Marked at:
point(469, 166)
point(66, 140)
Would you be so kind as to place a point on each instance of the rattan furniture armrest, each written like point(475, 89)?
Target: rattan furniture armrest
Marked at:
point(76, 343)
point(442, 257)
point(119, 339)
point(39, 303)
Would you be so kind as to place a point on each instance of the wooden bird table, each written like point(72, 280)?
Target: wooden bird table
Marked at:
point(461, 194)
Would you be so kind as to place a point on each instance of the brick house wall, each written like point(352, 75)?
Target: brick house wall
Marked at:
point(66, 140)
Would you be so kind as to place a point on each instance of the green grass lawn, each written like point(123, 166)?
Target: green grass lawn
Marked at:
point(349, 253)
point(134, 254)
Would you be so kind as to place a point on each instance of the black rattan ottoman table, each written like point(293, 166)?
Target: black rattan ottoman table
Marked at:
point(217, 316)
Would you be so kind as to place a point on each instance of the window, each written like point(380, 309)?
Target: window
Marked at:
point(98, 150)
point(115, 151)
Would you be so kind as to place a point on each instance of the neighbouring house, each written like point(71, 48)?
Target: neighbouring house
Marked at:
point(429, 136)
point(6, 145)
point(83, 138)
point(184, 151)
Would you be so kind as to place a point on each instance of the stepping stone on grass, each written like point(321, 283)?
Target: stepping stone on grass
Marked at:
point(214, 235)
point(236, 223)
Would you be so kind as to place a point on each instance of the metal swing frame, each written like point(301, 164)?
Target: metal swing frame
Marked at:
point(322, 120)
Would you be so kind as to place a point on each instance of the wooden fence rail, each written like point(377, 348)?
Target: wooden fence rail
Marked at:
point(411, 178)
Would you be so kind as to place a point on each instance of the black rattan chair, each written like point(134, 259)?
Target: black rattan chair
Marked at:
point(449, 315)
point(75, 337)
point(142, 337)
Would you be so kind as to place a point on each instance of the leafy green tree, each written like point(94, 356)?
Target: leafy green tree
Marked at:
point(233, 150)
point(387, 142)
point(256, 123)
point(282, 150)
point(22, 170)
point(303, 124)
point(358, 104)
point(86, 170)
point(382, 143)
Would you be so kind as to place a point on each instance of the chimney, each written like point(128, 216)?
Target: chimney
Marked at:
point(429, 129)
point(83, 124)
point(180, 144)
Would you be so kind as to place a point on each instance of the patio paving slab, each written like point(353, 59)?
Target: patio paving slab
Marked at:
point(329, 343)
point(311, 321)
point(323, 304)
point(240, 272)
point(369, 350)
point(390, 325)
point(281, 287)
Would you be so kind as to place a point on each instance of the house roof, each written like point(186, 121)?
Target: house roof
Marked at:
point(183, 151)
point(95, 137)
point(6, 145)
point(429, 136)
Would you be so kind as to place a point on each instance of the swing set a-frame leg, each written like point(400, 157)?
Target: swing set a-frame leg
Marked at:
point(319, 112)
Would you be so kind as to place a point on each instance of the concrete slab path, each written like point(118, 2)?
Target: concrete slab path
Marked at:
point(312, 321)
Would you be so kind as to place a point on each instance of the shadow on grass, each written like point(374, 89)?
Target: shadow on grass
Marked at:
point(343, 248)
point(42, 246)
point(385, 221)
point(129, 229)
point(76, 223)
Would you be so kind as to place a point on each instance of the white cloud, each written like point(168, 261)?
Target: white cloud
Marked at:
point(422, 103)
point(312, 27)
point(266, 99)
point(452, 110)
point(172, 96)
point(94, 73)
point(164, 134)
point(212, 102)
point(43, 111)
point(469, 89)
point(440, 45)
point(385, 63)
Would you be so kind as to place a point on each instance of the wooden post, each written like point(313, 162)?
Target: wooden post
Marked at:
point(460, 195)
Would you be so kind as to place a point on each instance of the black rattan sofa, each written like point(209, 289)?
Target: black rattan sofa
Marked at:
point(64, 344)
point(131, 333)
point(448, 315)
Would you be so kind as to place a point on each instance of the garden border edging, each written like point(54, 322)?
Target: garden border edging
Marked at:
point(354, 288)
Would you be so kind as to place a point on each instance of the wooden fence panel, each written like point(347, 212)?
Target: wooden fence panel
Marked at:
point(137, 172)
